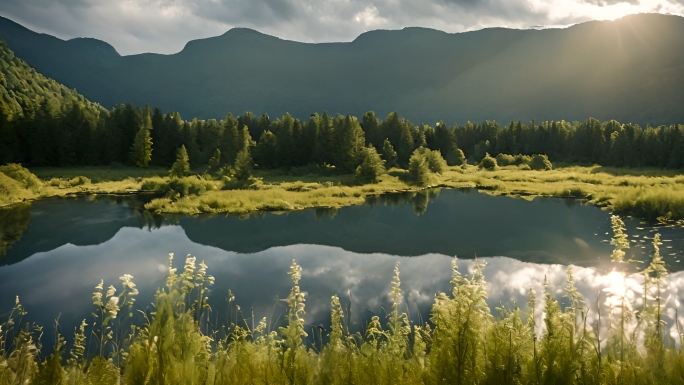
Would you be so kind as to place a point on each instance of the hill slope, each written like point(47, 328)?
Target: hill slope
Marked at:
point(630, 69)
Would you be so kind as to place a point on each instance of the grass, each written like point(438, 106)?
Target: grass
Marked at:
point(182, 342)
point(648, 193)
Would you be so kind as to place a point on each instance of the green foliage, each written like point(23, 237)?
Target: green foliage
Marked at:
point(141, 152)
point(540, 162)
point(371, 167)
point(180, 187)
point(17, 183)
point(488, 163)
point(505, 160)
point(388, 154)
point(243, 164)
point(456, 158)
point(181, 167)
point(419, 169)
point(22, 175)
point(215, 161)
point(436, 162)
point(620, 240)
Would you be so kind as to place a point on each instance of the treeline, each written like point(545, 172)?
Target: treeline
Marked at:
point(181, 341)
point(75, 133)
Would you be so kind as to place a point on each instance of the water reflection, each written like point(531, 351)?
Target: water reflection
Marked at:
point(62, 280)
point(419, 200)
point(450, 222)
point(13, 222)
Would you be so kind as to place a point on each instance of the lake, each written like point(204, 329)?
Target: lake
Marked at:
point(57, 250)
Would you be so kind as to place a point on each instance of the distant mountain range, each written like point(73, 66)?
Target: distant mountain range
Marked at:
point(631, 69)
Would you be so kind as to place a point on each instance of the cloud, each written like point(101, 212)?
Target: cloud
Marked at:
point(361, 281)
point(164, 26)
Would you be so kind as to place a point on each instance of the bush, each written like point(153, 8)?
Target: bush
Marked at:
point(22, 175)
point(540, 162)
point(236, 184)
point(188, 186)
point(78, 181)
point(456, 158)
point(436, 162)
point(180, 187)
point(488, 163)
point(522, 159)
point(505, 160)
point(524, 166)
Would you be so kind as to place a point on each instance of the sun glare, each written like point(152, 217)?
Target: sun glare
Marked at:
point(563, 10)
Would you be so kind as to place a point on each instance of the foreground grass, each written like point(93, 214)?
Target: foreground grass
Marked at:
point(463, 342)
point(647, 193)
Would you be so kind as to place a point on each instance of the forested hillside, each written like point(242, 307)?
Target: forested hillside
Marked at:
point(629, 69)
point(43, 123)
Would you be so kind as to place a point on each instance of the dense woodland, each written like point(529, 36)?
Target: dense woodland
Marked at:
point(43, 123)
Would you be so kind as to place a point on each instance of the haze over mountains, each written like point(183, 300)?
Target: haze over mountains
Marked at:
point(631, 69)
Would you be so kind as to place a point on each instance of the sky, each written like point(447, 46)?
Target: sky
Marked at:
point(165, 26)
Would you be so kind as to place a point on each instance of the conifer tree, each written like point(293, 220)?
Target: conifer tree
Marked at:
point(371, 166)
point(181, 167)
point(141, 151)
point(388, 154)
point(419, 170)
point(215, 160)
point(265, 150)
point(243, 164)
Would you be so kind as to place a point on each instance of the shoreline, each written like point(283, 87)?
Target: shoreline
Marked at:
point(647, 194)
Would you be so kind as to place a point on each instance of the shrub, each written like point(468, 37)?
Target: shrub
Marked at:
point(524, 166)
point(488, 163)
point(522, 159)
point(22, 175)
point(78, 181)
point(456, 158)
point(371, 167)
point(505, 159)
point(188, 186)
point(436, 162)
point(540, 162)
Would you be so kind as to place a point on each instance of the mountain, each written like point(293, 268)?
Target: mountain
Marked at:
point(631, 69)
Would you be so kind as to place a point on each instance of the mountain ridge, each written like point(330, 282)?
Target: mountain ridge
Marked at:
point(627, 68)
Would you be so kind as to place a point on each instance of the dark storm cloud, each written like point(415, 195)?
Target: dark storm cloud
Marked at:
point(164, 26)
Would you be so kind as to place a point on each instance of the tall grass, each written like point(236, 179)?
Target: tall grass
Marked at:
point(647, 193)
point(463, 343)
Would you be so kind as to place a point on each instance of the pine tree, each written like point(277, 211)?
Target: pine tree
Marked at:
point(181, 167)
point(243, 164)
point(141, 151)
point(419, 170)
point(265, 151)
point(388, 154)
point(215, 160)
point(371, 166)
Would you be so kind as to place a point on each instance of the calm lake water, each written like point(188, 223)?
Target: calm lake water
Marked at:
point(57, 250)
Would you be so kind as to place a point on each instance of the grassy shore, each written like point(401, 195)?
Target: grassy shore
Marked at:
point(647, 193)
